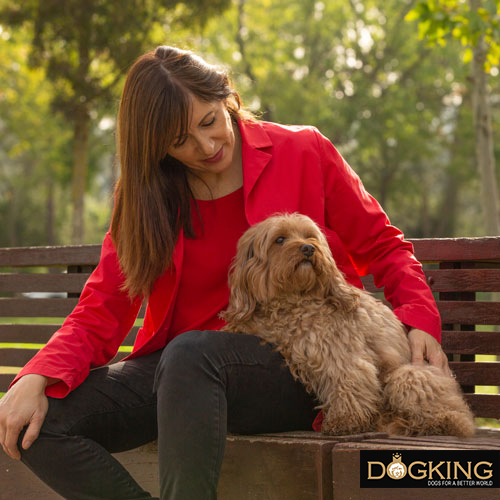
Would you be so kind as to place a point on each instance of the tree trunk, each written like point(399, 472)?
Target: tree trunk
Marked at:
point(50, 213)
point(424, 226)
point(80, 158)
point(248, 70)
point(12, 221)
point(446, 220)
point(484, 137)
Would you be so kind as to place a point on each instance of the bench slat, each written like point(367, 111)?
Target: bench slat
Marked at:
point(484, 405)
point(463, 280)
point(5, 380)
point(43, 308)
point(453, 341)
point(17, 358)
point(453, 280)
point(29, 308)
point(469, 312)
point(452, 312)
point(40, 334)
point(485, 438)
point(456, 249)
point(50, 256)
point(35, 282)
point(26, 333)
point(464, 342)
point(470, 373)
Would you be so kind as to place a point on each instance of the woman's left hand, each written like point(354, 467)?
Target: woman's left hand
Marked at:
point(425, 347)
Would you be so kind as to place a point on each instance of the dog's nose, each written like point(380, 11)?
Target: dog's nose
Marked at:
point(307, 250)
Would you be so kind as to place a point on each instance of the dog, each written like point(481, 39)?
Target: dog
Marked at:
point(341, 343)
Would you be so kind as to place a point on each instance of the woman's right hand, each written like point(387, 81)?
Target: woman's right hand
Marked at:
point(25, 404)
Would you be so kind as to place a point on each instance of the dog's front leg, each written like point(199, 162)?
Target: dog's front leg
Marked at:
point(353, 405)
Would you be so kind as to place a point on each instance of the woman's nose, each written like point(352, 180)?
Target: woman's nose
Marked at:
point(206, 145)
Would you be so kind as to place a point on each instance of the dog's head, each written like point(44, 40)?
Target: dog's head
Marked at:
point(282, 256)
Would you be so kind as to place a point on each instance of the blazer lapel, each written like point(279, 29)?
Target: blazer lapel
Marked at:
point(255, 145)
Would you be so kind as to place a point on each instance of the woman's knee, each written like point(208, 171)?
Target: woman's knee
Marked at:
point(185, 353)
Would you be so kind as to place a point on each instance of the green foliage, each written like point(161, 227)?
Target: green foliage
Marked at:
point(358, 72)
point(398, 111)
point(34, 144)
point(85, 49)
point(442, 19)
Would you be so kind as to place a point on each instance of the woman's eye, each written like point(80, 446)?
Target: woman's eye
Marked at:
point(280, 240)
point(211, 122)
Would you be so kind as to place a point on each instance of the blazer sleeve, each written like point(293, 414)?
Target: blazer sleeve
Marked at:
point(374, 245)
point(91, 334)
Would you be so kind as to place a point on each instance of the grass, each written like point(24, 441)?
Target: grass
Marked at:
point(31, 321)
point(8, 345)
point(45, 321)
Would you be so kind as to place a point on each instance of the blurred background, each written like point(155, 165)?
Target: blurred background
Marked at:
point(408, 91)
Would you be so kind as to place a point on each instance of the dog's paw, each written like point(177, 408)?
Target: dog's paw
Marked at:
point(346, 427)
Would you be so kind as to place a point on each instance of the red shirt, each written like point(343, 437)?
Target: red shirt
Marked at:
point(203, 290)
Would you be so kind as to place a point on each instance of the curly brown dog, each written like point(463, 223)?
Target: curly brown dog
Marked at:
point(344, 345)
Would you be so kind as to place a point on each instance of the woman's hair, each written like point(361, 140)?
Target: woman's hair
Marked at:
point(152, 195)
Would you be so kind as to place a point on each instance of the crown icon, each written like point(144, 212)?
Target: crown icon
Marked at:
point(396, 457)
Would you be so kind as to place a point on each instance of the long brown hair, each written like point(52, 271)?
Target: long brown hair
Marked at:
point(152, 196)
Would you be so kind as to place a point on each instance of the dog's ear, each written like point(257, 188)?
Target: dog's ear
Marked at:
point(250, 251)
point(344, 297)
point(338, 292)
point(242, 302)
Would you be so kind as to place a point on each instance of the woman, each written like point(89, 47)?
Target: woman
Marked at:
point(196, 172)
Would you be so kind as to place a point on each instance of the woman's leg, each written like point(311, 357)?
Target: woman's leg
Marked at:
point(210, 382)
point(113, 410)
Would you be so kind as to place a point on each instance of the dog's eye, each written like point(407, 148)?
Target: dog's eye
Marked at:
point(280, 240)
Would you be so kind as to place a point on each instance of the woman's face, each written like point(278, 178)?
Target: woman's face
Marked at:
point(209, 144)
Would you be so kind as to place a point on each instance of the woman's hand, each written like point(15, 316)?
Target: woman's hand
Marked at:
point(24, 404)
point(425, 347)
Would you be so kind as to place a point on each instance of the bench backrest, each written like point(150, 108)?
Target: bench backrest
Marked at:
point(464, 273)
point(39, 287)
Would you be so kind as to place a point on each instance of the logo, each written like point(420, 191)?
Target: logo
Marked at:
point(430, 469)
point(396, 469)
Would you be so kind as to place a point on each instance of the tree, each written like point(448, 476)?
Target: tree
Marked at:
point(34, 144)
point(85, 48)
point(477, 25)
point(357, 71)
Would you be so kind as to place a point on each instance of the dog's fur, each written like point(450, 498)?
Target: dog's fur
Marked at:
point(345, 346)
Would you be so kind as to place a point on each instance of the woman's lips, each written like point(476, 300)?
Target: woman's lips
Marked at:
point(216, 157)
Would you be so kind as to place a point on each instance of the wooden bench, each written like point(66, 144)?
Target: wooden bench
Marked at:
point(464, 273)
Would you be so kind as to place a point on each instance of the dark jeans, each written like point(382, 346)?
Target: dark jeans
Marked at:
point(206, 383)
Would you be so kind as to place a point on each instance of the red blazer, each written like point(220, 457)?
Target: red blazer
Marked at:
point(285, 169)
